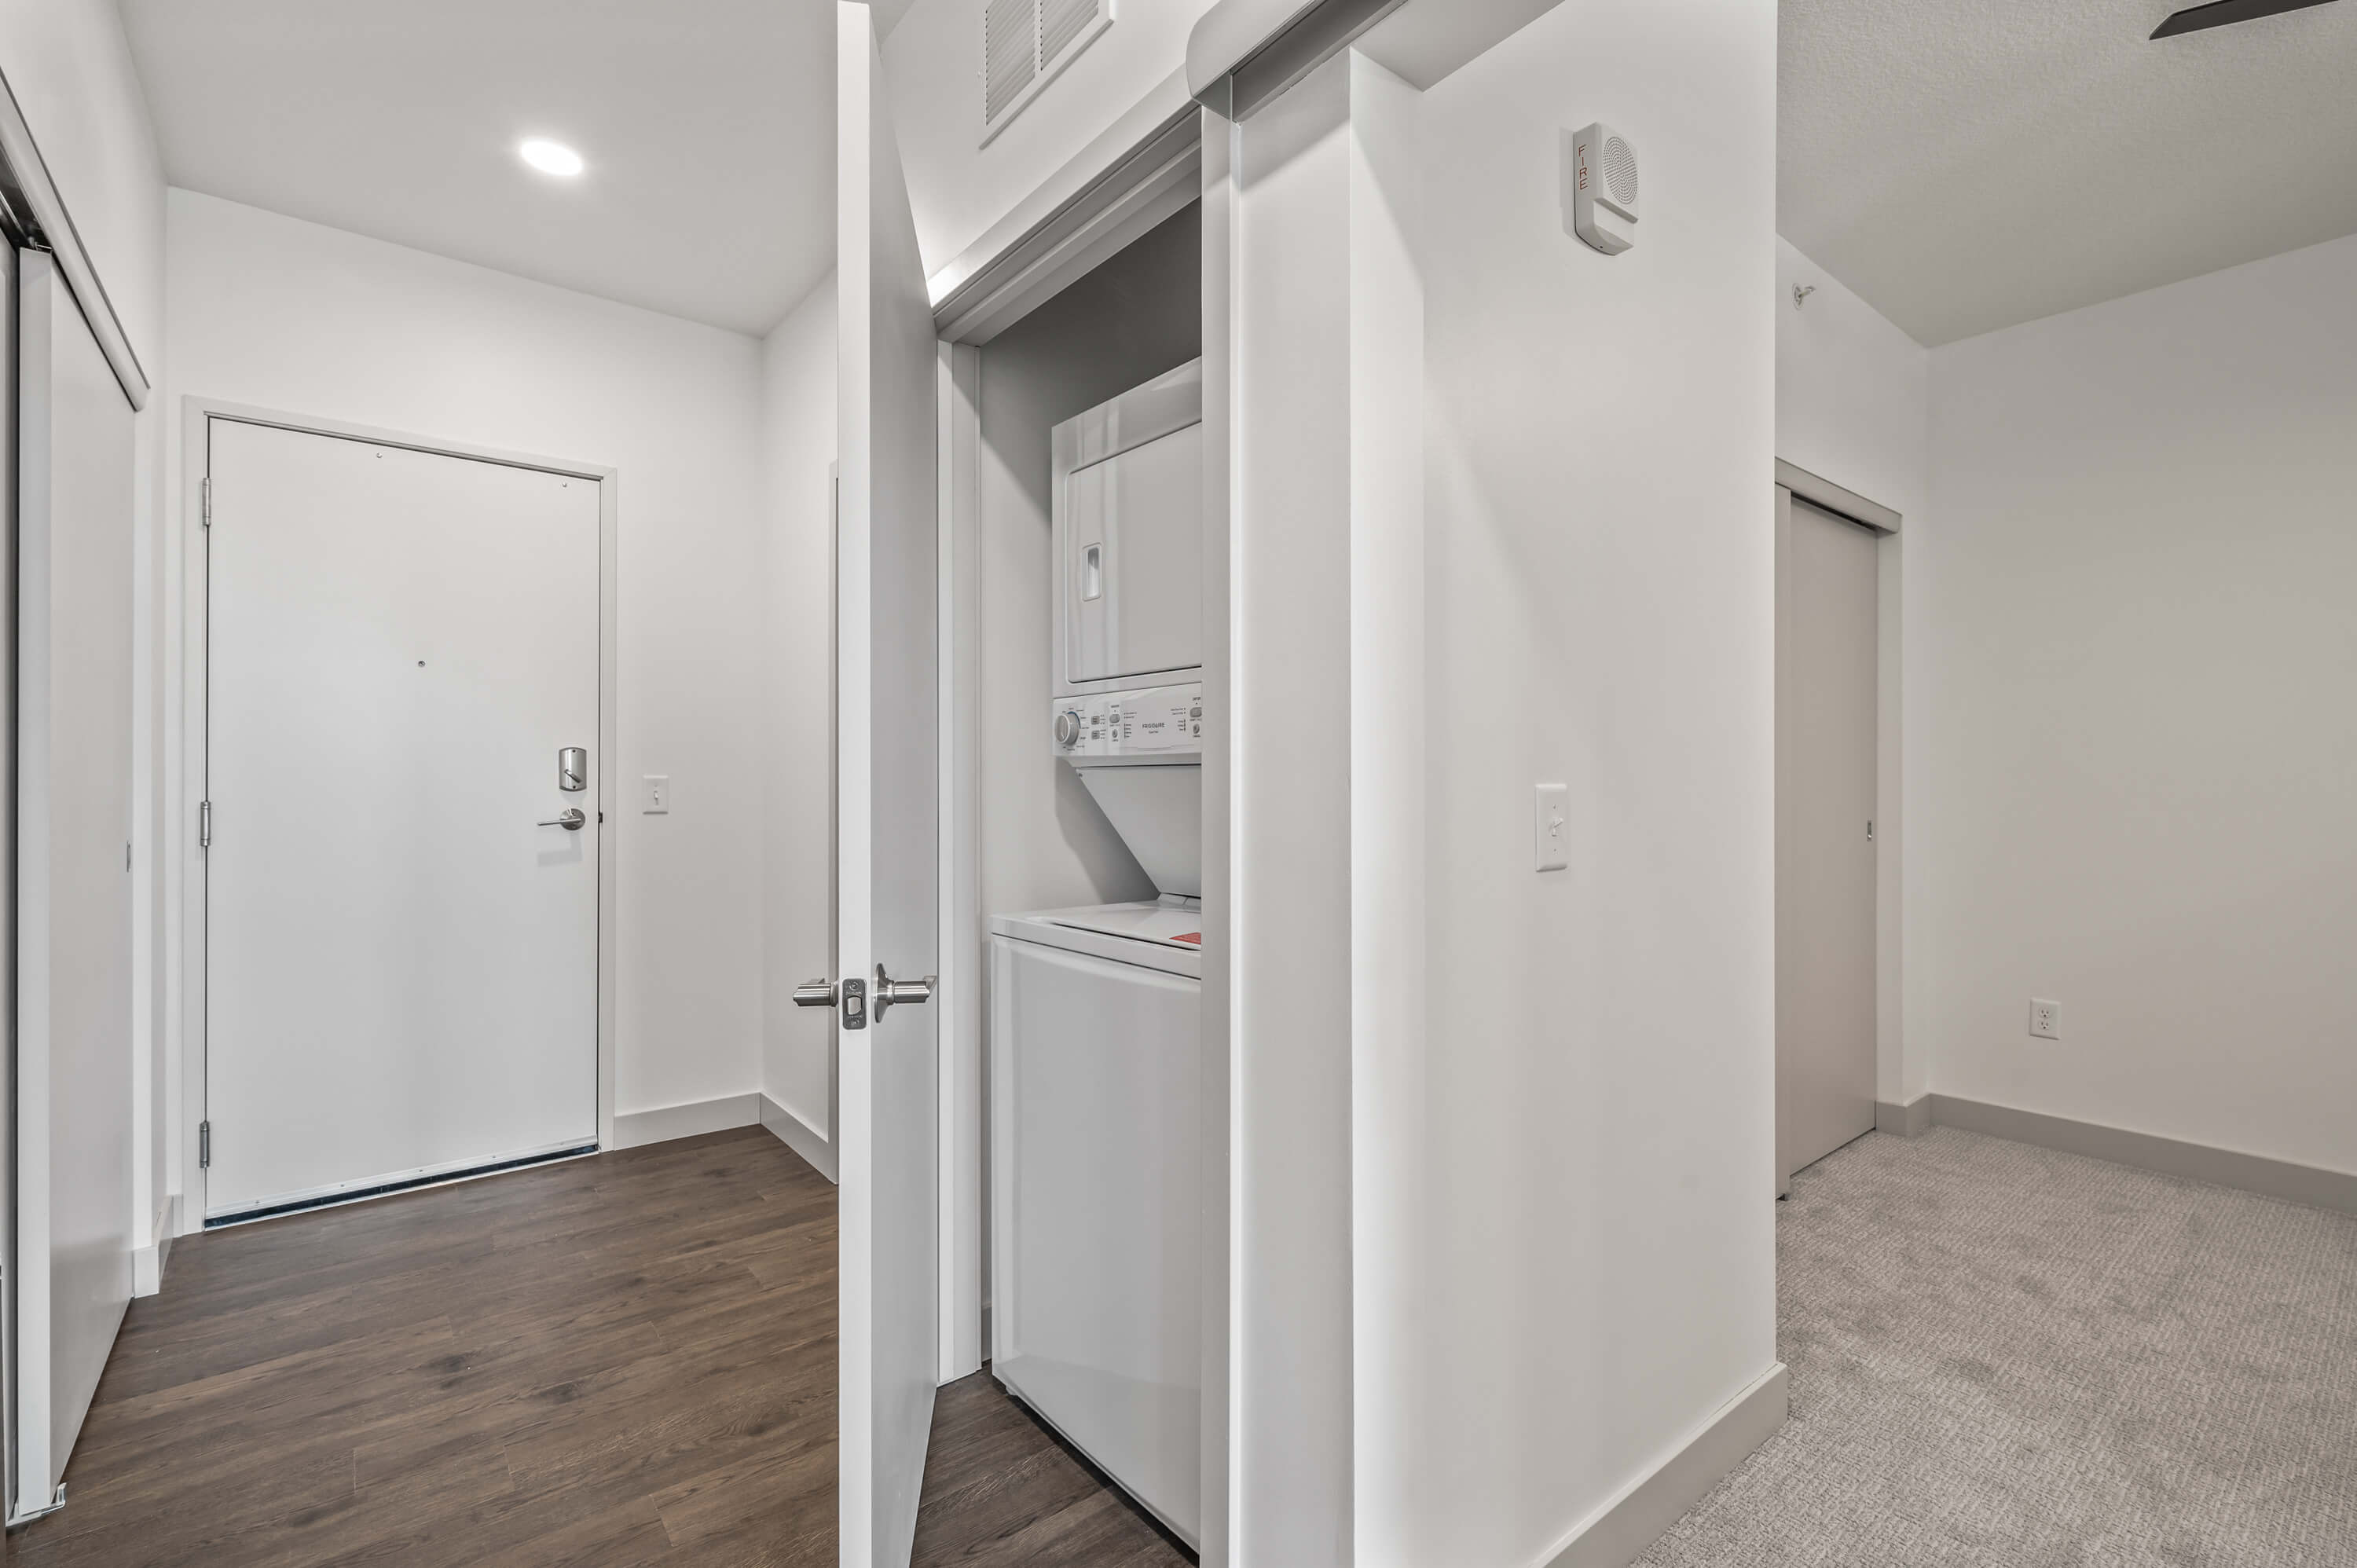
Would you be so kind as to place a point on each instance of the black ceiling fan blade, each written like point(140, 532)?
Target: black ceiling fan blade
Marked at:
point(2224, 13)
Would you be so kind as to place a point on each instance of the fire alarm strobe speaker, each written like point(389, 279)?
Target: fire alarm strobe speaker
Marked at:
point(1599, 188)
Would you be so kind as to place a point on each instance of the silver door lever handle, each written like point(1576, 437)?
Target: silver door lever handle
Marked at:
point(814, 994)
point(890, 993)
point(569, 819)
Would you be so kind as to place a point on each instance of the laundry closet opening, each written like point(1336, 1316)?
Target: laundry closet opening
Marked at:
point(1088, 513)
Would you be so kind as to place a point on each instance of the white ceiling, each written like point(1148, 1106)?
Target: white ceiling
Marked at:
point(708, 127)
point(1965, 165)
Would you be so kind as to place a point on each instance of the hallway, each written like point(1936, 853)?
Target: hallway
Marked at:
point(616, 1361)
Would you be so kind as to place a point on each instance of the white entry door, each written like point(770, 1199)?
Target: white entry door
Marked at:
point(401, 937)
point(1826, 619)
point(75, 1208)
point(889, 821)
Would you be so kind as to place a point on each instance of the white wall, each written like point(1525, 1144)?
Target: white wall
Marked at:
point(932, 63)
point(2132, 699)
point(273, 311)
point(797, 713)
point(1853, 392)
point(70, 69)
point(1600, 1254)
point(1853, 406)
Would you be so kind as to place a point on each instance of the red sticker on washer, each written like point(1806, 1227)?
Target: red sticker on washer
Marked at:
point(1195, 938)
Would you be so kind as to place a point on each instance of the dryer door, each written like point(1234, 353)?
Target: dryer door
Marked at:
point(1134, 560)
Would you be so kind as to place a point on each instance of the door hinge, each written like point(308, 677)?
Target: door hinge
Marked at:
point(208, 490)
point(204, 825)
point(204, 1145)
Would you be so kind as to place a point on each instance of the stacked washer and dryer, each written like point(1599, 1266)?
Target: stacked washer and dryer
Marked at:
point(1095, 1013)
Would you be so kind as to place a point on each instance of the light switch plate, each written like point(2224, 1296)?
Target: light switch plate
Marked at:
point(1551, 826)
point(654, 798)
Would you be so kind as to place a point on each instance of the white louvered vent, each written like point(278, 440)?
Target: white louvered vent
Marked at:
point(1010, 56)
point(1025, 43)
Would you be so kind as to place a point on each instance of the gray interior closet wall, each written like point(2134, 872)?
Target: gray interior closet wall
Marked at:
point(1045, 845)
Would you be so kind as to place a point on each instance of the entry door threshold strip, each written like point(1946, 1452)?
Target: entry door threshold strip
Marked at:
point(446, 1178)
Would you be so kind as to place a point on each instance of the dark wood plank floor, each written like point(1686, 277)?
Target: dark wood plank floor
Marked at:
point(618, 1360)
point(1001, 1490)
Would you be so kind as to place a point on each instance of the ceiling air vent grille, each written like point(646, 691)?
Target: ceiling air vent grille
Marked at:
point(1025, 43)
point(1061, 22)
point(1010, 54)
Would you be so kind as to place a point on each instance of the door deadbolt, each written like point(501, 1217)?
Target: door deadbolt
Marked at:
point(573, 767)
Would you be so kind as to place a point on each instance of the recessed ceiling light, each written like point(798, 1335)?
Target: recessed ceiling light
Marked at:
point(550, 158)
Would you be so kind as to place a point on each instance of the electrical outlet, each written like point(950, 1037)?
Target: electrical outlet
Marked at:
point(655, 799)
point(2046, 1019)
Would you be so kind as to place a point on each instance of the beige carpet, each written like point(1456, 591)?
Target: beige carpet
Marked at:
point(2011, 1358)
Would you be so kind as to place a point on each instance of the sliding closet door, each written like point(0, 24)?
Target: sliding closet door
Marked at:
point(9, 270)
point(73, 882)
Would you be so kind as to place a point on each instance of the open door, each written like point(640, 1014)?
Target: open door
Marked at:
point(889, 824)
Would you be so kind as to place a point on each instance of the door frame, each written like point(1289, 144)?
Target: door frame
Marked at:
point(196, 416)
point(1156, 158)
point(1893, 1111)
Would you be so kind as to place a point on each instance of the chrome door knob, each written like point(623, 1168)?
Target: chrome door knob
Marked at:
point(570, 820)
point(814, 994)
point(890, 992)
point(1067, 730)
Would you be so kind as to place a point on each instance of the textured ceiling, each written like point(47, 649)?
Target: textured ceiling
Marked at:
point(1965, 165)
point(708, 127)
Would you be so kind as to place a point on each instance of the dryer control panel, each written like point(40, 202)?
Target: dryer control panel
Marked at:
point(1157, 721)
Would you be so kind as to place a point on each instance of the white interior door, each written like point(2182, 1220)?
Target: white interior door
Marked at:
point(889, 819)
point(74, 1211)
point(401, 958)
point(1824, 850)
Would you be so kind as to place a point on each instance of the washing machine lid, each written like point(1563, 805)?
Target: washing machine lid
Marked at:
point(1172, 927)
point(1168, 936)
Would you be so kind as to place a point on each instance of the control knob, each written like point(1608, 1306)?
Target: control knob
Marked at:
point(1067, 730)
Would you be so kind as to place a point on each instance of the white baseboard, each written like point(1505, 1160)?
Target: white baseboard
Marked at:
point(812, 1146)
point(1618, 1533)
point(2312, 1185)
point(1906, 1121)
point(148, 1263)
point(635, 1129)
